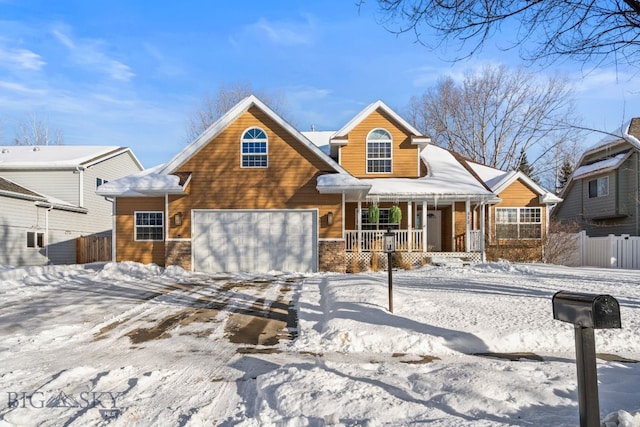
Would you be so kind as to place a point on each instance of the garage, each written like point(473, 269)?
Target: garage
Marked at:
point(255, 240)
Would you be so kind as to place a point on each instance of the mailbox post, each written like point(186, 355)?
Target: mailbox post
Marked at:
point(587, 312)
point(390, 248)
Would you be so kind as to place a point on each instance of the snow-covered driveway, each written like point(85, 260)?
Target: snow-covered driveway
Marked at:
point(81, 345)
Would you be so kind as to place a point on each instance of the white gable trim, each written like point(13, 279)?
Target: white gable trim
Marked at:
point(227, 119)
point(336, 139)
point(511, 177)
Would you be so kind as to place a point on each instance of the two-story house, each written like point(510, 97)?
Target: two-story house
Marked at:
point(252, 193)
point(48, 199)
point(603, 193)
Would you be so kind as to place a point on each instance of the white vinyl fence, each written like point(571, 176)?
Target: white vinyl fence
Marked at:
point(609, 252)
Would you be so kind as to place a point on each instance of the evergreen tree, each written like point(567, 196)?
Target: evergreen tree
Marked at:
point(565, 173)
point(524, 167)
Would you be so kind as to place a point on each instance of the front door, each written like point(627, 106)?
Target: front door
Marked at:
point(434, 229)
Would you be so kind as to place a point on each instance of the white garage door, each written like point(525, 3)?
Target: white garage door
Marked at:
point(255, 240)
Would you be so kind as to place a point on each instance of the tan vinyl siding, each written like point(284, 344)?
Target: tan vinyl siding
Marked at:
point(353, 156)
point(127, 249)
point(518, 195)
point(289, 182)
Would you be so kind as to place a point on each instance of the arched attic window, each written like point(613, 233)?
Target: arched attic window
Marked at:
point(254, 147)
point(379, 151)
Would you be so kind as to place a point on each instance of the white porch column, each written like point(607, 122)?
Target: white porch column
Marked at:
point(424, 226)
point(359, 225)
point(467, 225)
point(409, 226)
point(483, 253)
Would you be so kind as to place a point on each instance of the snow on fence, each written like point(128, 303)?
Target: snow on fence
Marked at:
point(609, 252)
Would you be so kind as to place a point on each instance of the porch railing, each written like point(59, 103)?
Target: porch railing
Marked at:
point(372, 240)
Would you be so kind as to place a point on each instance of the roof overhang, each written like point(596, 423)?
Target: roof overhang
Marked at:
point(146, 185)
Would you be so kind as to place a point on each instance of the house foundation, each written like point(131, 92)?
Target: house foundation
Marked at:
point(332, 255)
point(178, 252)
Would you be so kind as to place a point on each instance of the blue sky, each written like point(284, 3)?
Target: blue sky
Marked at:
point(131, 73)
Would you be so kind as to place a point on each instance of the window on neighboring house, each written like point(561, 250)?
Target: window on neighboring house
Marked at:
point(383, 221)
point(35, 240)
point(599, 187)
point(518, 223)
point(254, 149)
point(149, 226)
point(379, 151)
point(100, 181)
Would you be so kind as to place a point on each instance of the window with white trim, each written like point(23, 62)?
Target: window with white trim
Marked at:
point(149, 225)
point(35, 240)
point(100, 181)
point(254, 148)
point(383, 221)
point(379, 151)
point(599, 187)
point(518, 223)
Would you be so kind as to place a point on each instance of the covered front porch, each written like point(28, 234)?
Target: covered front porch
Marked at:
point(428, 228)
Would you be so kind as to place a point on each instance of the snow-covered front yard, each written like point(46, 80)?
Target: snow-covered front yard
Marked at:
point(128, 344)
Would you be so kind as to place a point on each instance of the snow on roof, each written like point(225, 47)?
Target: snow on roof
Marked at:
point(52, 156)
point(498, 180)
point(600, 166)
point(447, 177)
point(491, 176)
point(145, 183)
point(319, 138)
point(622, 133)
point(338, 182)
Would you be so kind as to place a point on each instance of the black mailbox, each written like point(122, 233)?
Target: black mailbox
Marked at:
point(587, 310)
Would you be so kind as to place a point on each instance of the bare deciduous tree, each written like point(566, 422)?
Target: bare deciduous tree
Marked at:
point(36, 131)
point(584, 30)
point(213, 107)
point(495, 114)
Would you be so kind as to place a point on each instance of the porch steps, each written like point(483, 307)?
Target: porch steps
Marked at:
point(449, 261)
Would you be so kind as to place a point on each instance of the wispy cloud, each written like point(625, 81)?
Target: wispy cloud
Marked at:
point(284, 33)
point(90, 54)
point(21, 58)
point(20, 88)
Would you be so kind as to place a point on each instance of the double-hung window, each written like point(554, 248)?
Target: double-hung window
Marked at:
point(518, 223)
point(149, 225)
point(599, 187)
point(379, 151)
point(254, 149)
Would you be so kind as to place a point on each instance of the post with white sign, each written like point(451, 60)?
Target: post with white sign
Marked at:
point(390, 248)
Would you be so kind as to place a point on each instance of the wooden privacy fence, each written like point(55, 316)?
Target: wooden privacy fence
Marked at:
point(93, 249)
point(609, 252)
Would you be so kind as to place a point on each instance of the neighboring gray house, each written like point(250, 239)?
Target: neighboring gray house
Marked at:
point(603, 193)
point(48, 199)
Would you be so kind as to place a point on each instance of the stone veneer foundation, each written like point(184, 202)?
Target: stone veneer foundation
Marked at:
point(332, 255)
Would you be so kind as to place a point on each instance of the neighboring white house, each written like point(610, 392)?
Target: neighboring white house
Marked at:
point(48, 199)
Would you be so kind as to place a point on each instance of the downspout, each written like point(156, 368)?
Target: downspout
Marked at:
point(113, 227)
point(46, 233)
point(80, 170)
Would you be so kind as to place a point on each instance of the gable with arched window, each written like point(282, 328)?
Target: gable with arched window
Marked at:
point(254, 149)
point(379, 151)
